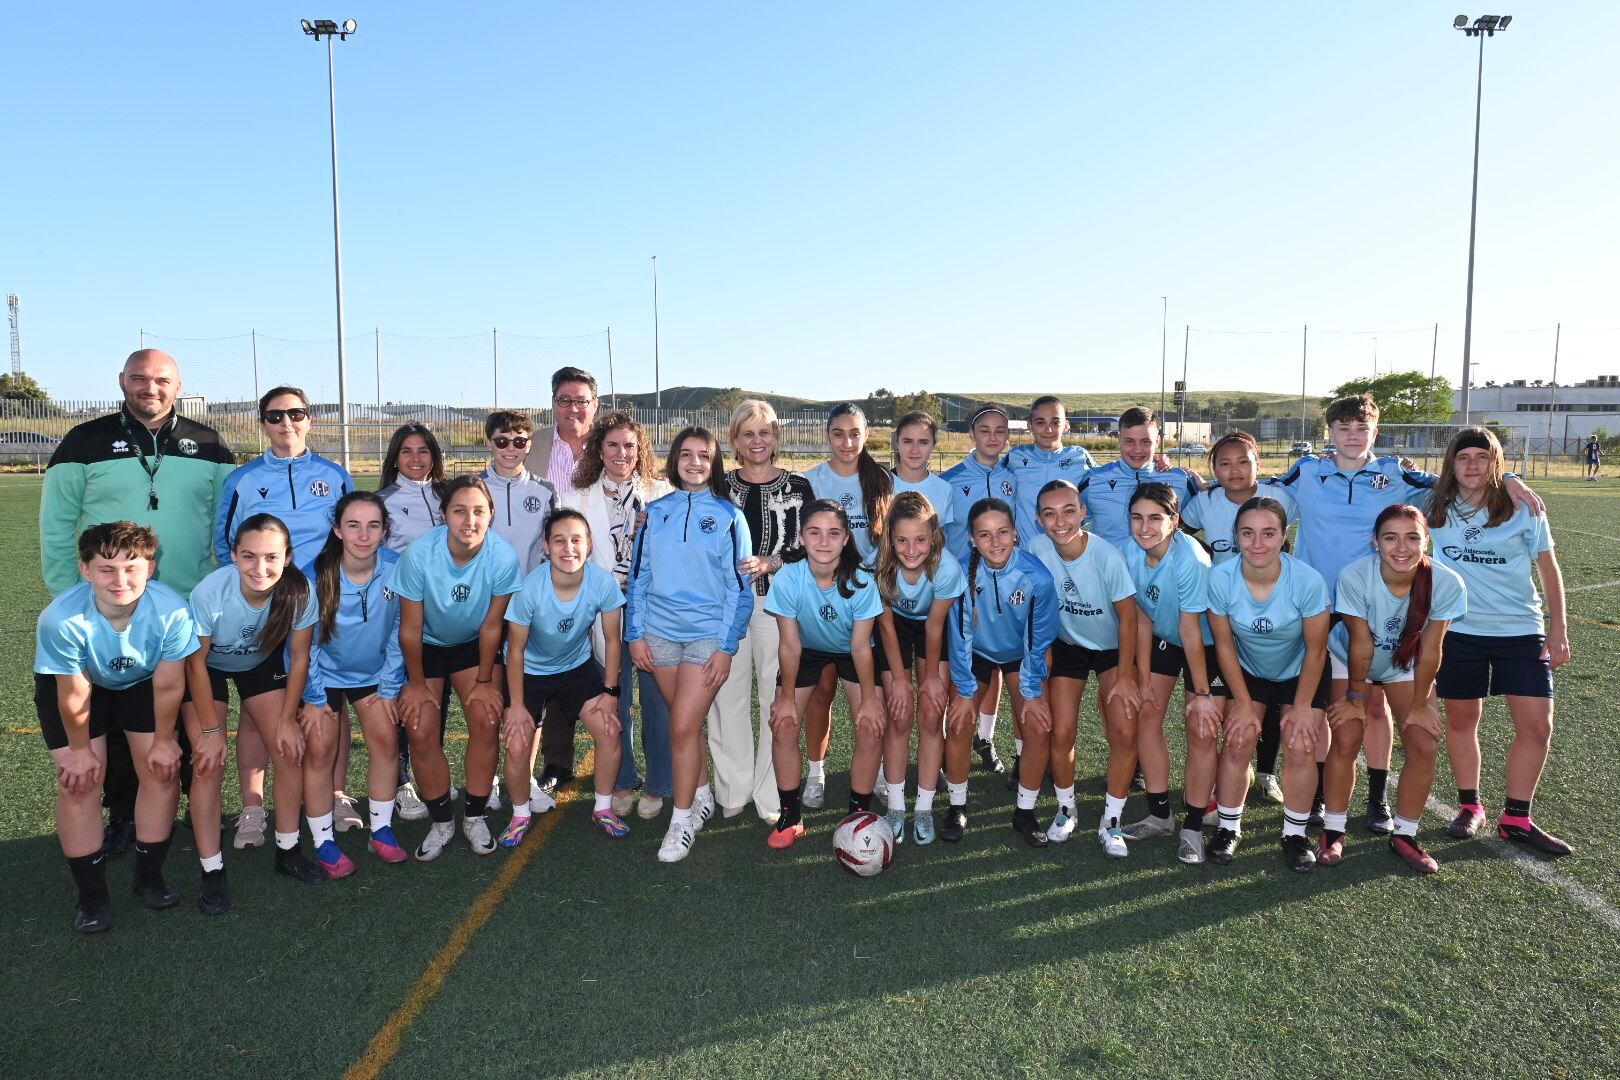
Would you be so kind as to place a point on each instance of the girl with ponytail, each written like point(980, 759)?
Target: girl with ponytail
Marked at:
point(1395, 606)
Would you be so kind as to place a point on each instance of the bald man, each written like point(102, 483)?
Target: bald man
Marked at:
point(147, 464)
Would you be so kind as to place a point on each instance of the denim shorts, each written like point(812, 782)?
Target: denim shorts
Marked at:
point(667, 653)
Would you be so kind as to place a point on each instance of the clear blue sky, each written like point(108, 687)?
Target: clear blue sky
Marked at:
point(841, 196)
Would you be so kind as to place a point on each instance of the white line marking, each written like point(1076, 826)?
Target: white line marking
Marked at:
point(1595, 536)
point(1593, 587)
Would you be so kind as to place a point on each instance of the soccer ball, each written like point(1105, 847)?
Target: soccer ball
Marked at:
point(863, 844)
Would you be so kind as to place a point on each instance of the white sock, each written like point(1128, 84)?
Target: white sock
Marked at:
point(287, 841)
point(213, 862)
point(1294, 824)
point(987, 726)
point(897, 797)
point(320, 828)
point(1231, 818)
point(382, 813)
point(1018, 746)
point(1113, 810)
point(818, 772)
point(1405, 827)
point(925, 800)
point(680, 816)
point(1026, 798)
point(521, 810)
point(958, 793)
point(1332, 822)
point(702, 795)
point(1065, 797)
point(603, 802)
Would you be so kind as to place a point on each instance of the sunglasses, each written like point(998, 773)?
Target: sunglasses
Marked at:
point(275, 416)
point(502, 441)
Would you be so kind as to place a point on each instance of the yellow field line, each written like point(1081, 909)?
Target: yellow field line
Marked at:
point(1593, 622)
point(385, 1044)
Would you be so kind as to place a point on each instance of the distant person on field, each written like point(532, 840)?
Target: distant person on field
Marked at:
point(147, 464)
point(1594, 458)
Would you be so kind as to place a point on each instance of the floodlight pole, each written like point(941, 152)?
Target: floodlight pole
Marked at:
point(1164, 331)
point(658, 383)
point(1473, 205)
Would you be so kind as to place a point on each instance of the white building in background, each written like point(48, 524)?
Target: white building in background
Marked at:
point(1575, 411)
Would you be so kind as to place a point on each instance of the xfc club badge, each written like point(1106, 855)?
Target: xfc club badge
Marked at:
point(1263, 626)
point(1153, 594)
point(1017, 598)
point(707, 524)
point(1380, 482)
point(905, 602)
point(565, 625)
point(121, 663)
point(320, 488)
point(1007, 488)
point(460, 593)
point(388, 595)
point(532, 504)
point(187, 446)
point(829, 613)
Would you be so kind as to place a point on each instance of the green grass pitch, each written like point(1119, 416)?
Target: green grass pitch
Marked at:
point(982, 958)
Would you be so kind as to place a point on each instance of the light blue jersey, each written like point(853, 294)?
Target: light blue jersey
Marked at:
point(1495, 564)
point(301, 491)
point(938, 491)
point(75, 638)
point(560, 630)
point(826, 618)
point(1106, 492)
point(971, 481)
point(231, 624)
point(846, 492)
point(454, 598)
point(1363, 593)
point(1087, 590)
point(1216, 516)
point(685, 584)
point(915, 601)
point(1032, 469)
point(1270, 635)
point(1006, 615)
point(1179, 583)
point(364, 647)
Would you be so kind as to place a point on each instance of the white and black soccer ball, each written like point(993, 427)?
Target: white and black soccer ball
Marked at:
point(863, 844)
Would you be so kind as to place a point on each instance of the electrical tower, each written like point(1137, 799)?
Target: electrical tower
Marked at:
point(16, 343)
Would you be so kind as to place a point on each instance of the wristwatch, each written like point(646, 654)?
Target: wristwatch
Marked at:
point(611, 691)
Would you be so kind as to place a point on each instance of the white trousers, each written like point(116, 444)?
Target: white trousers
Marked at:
point(743, 770)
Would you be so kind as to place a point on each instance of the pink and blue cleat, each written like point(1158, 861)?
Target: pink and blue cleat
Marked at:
point(333, 861)
point(385, 847)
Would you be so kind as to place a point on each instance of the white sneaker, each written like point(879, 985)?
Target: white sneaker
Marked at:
point(540, 802)
point(1062, 826)
point(408, 804)
point(1266, 784)
point(815, 794)
point(534, 790)
point(880, 790)
point(1112, 838)
point(477, 834)
point(344, 814)
point(437, 839)
point(677, 842)
point(250, 828)
point(494, 797)
point(702, 811)
point(1191, 848)
point(1149, 828)
point(649, 807)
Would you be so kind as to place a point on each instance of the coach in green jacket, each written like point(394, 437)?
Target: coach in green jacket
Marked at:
point(148, 464)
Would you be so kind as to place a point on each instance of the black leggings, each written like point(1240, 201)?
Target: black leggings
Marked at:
point(1266, 750)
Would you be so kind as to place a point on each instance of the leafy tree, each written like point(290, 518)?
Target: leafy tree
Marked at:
point(921, 401)
point(21, 388)
point(728, 399)
point(880, 405)
point(1245, 408)
point(1404, 397)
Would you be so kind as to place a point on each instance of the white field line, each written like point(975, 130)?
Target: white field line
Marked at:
point(1593, 535)
point(1591, 588)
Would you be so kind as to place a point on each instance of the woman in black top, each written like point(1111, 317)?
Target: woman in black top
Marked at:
point(772, 500)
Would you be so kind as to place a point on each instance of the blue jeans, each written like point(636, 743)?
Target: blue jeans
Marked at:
point(654, 733)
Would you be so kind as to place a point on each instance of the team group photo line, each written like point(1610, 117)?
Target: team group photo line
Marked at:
point(579, 579)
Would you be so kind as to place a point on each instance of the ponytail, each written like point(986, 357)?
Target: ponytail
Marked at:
point(978, 510)
point(289, 594)
point(329, 562)
point(877, 485)
point(849, 559)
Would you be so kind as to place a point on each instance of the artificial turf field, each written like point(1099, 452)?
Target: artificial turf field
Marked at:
point(582, 956)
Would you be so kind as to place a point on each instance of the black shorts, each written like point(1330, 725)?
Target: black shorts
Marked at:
point(1070, 661)
point(339, 696)
point(443, 661)
point(812, 662)
point(270, 675)
point(984, 667)
point(571, 689)
point(913, 637)
point(1166, 658)
point(1476, 666)
point(129, 708)
point(1281, 694)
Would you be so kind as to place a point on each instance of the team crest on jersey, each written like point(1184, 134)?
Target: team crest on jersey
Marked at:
point(1017, 598)
point(1451, 551)
point(1394, 623)
point(1153, 593)
point(1068, 586)
point(847, 500)
point(1064, 463)
point(1473, 533)
point(708, 524)
point(460, 593)
point(249, 631)
point(387, 595)
point(532, 504)
point(187, 446)
point(121, 663)
point(120, 446)
point(1263, 626)
point(905, 602)
point(829, 613)
point(1380, 482)
point(565, 625)
point(1221, 545)
point(320, 488)
point(1007, 488)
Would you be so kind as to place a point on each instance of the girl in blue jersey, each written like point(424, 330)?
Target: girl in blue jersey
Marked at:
point(549, 625)
point(111, 650)
point(1097, 620)
point(1269, 615)
point(918, 580)
point(1503, 645)
point(256, 619)
point(825, 606)
point(356, 664)
point(1170, 572)
point(1005, 620)
point(454, 584)
point(688, 607)
point(915, 436)
point(852, 478)
point(1395, 605)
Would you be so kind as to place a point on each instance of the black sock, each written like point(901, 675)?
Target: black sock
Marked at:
point(1468, 796)
point(439, 808)
point(859, 800)
point(475, 805)
point(1518, 808)
point(1321, 777)
point(90, 875)
point(1158, 804)
point(149, 856)
point(1377, 781)
point(1192, 817)
point(1270, 744)
point(791, 807)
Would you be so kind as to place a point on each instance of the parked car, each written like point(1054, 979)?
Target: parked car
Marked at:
point(1300, 448)
point(1187, 450)
point(26, 446)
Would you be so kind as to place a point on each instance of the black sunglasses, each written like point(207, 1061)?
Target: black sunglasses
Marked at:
point(274, 416)
point(502, 441)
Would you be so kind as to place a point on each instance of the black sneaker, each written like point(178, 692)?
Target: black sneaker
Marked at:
point(292, 863)
point(1317, 820)
point(1222, 846)
point(1298, 855)
point(552, 777)
point(157, 894)
point(212, 896)
point(1024, 823)
point(93, 921)
point(1546, 843)
point(1012, 773)
point(955, 823)
point(987, 755)
point(119, 834)
point(1379, 819)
